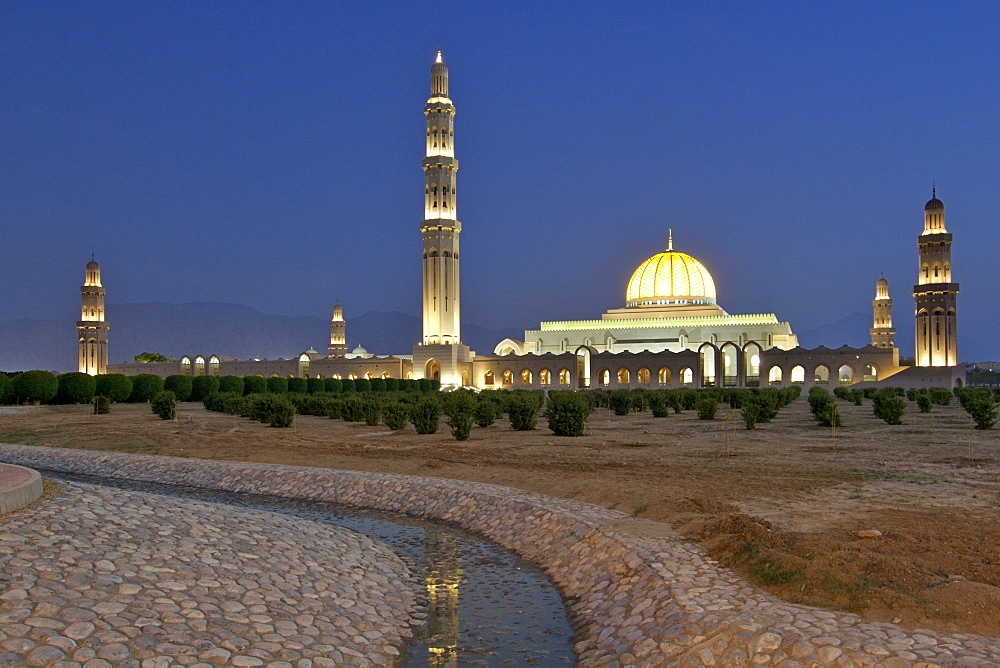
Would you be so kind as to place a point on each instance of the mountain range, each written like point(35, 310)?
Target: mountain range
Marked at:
point(208, 328)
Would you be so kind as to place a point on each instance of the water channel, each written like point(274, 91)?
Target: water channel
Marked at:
point(485, 606)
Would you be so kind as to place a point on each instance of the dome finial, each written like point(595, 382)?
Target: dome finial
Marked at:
point(670, 240)
point(440, 58)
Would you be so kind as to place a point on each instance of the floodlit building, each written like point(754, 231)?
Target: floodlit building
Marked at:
point(671, 331)
point(92, 329)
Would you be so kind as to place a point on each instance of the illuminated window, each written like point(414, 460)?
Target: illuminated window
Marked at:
point(603, 377)
point(623, 376)
point(774, 375)
point(871, 373)
point(508, 377)
point(846, 374)
point(545, 377)
point(643, 376)
point(687, 376)
point(488, 378)
point(525, 377)
point(663, 376)
point(821, 374)
point(564, 377)
point(798, 374)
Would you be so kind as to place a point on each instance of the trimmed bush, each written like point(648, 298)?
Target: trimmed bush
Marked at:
point(114, 386)
point(378, 384)
point(315, 385)
point(395, 415)
point(333, 385)
point(102, 405)
point(924, 403)
point(76, 388)
point(164, 404)
point(459, 407)
point(179, 385)
point(567, 412)
point(940, 395)
point(351, 409)
point(425, 415)
point(277, 385)
point(145, 386)
point(348, 386)
point(425, 385)
point(487, 410)
point(7, 389)
point(35, 386)
point(202, 386)
point(707, 407)
point(362, 385)
point(620, 402)
point(658, 404)
point(391, 384)
point(272, 409)
point(983, 411)
point(522, 410)
point(889, 406)
point(824, 408)
point(254, 385)
point(300, 385)
point(231, 385)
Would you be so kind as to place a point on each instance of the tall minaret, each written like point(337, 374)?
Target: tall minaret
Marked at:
point(338, 333)
point(92, 330)
point(882, 331)
point(440, 228)
point(935, 294)
point(441, 354)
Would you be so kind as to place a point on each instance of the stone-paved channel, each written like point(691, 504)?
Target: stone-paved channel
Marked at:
point(118, 577)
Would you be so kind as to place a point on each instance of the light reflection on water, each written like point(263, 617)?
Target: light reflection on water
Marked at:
point(485, 606)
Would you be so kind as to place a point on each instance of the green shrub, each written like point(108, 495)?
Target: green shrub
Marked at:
point(824, 408)
point(425, 385)
point(378, 384)
point(6, 389)
point(35, 386)
point(75, 388)
point(707, 407)
point(101, 404)
point(924, 403)
point(751, 412)
point(164, 404)
point(271, 409)
point(889, 406)
point(362, 385)
point(395, 415)
point(348, 386)
point(300, 385)
point(315, 385)
point(459, 407)
point(425, 414)
point(236, 404)
point(114, 386)
point(335, 408)
point(254, 385)
point(659, 404)
point(202, 386)
point(333, 385)
point(620, 402)
point(983, 411)
point(391, 385)
point(371, 409)
point(567, 413)
point(231, 384)
point(282, 413)
point(487, 410)
point(940, 395)
point(179, 385)
point(522, 411)
point(145, 386)
point(277, 385)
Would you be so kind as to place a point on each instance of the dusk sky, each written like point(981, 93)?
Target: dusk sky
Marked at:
point(268, 154)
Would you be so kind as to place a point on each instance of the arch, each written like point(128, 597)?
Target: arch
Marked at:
point(623, 376)
point(198, 367)
point(751, 364)
point(774, 374)
point(186, 365)
point(798, 374)
point(730, 364)
point(870, 372)
point(663, 376)
point(489, 378)
point(545, 377)
point(583, 366)
point(846, 374)
point(642, 376)
point(603, 377)
point(508, 377)
point(432, 369)
point(465, 378)
point(213, 365)
point(289, 375)
point(369, 375)
point(409, 375)
point(385, 374)
point(707, 352)
point(687, 376)
point(352, 376)
point(565, 377)
point(821, 374)
point(525, 377)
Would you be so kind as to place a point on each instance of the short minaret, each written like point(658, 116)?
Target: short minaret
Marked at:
point(338, 333)
point(441, 354)
point(92, 330)
point(934, 294)
point(882, 331)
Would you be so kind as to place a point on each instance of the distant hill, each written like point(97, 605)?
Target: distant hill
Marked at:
point(213, 328)
point(851, 330)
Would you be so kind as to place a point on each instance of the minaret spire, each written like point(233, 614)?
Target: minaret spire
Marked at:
point(935, 295)
point(91, 328)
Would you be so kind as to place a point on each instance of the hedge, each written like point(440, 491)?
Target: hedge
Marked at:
point(75, 388)
point(179, 385)
point(145, 386)
point(32, 386)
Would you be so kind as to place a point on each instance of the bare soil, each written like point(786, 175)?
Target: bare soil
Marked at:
point(782, 504)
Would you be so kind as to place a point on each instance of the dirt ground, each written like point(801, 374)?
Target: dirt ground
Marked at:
point(781, 505)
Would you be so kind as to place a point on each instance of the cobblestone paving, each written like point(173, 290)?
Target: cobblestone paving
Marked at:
point(101, 577)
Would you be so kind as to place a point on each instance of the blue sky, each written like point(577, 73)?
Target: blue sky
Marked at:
point(269, 154)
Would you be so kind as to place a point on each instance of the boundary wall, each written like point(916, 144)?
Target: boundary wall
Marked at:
point(636, 593)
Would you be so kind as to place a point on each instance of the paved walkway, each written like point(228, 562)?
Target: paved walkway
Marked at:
point(101, 577)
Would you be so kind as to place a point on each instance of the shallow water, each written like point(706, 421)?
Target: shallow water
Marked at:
point(485, 606)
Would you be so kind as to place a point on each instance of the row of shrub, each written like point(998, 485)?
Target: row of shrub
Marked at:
point(888, 403)
point(80, 388)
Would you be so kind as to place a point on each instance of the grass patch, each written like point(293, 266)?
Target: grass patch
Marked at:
point(26, 437)
point(135, 447)
point(767, 567)
point(854, 595)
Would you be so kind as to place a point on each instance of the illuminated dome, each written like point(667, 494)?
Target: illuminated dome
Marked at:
point(670, 277)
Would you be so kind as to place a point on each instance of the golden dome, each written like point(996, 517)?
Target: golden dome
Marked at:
point(670, 277)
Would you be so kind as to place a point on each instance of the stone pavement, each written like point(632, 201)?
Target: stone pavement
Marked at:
point(100, 577)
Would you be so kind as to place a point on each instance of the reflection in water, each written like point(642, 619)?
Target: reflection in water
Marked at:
point(444, 552)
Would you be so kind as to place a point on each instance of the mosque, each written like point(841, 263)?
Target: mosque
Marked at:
point(670, 333)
